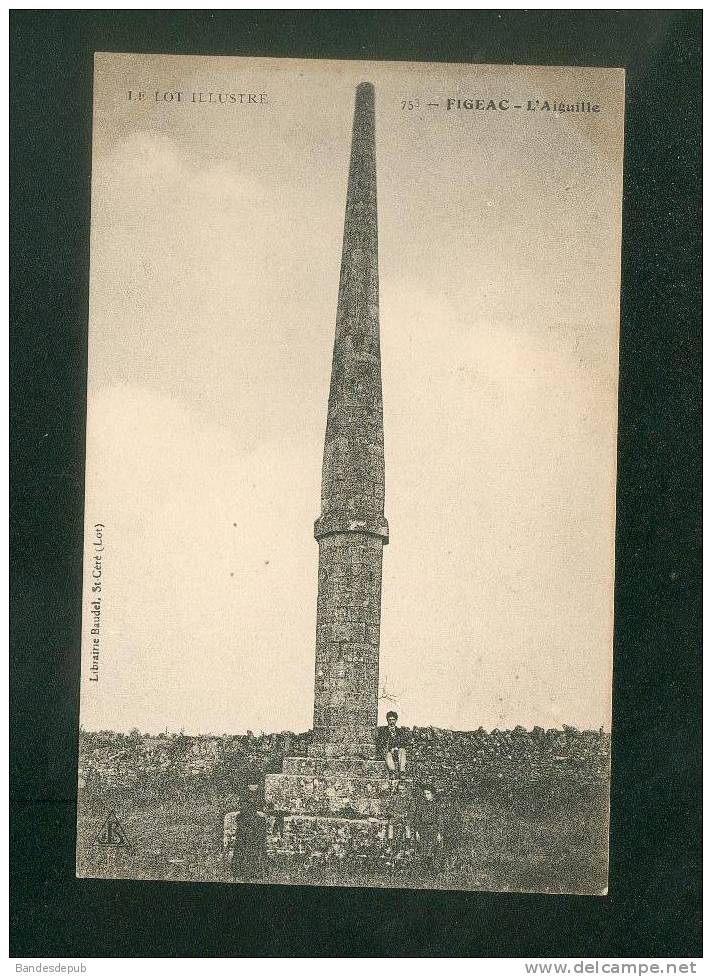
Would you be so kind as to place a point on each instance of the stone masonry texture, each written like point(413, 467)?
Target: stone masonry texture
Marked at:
point(339, 800)
point(113, 765)
point(352, 530)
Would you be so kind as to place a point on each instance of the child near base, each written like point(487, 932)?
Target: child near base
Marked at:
point(429, 825)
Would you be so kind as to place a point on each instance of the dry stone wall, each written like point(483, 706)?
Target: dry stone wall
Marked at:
point(158, 767)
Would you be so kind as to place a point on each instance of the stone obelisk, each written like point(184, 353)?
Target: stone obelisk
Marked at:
point(338, 801)
point(351, 530)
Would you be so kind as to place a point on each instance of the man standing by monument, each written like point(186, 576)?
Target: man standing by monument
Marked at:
point(392, 744)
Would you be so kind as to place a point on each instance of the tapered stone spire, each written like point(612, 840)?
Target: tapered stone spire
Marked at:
point(339, 800)
point(352, 530)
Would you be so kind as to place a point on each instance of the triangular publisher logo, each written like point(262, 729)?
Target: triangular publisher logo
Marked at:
point(111, 835)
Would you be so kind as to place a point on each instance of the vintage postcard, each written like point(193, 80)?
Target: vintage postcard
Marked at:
point(351, 465)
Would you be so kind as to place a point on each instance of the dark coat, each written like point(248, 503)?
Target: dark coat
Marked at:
point(388, 739)
point(249, 840)
point(430, 825)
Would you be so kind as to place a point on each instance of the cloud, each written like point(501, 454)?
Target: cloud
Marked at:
point(208, 613)
point(496, 437)
point(215, 262)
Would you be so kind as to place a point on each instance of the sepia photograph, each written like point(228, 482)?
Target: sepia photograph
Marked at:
point(355, 489)
point(351, 463)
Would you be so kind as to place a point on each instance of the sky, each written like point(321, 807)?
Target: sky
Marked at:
point(215, 253)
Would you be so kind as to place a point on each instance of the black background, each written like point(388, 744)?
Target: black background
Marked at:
point(654, 904)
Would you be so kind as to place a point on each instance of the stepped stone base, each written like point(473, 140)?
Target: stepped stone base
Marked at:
point(366, 751)
point(341, 792)
point(301, 837)
point(351, 766)
point(337, 807)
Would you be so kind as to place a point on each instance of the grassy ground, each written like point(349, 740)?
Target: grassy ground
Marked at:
point(548, 838)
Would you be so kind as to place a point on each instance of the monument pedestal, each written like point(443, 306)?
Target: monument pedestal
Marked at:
point(331, 808)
